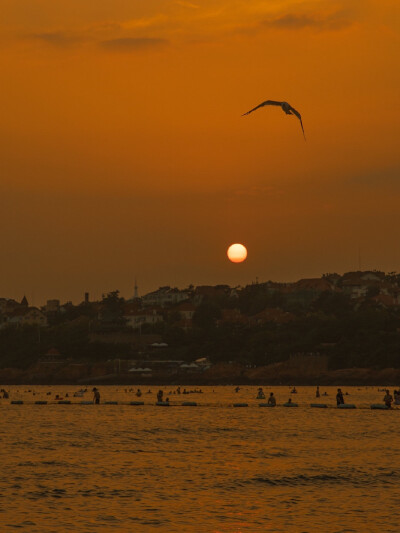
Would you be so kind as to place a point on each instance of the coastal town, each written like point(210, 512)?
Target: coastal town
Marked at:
point(328, 328)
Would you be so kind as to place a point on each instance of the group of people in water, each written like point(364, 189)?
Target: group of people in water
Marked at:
point(272, 399)
point(177, 391)
point(388, 399)
point(261, 396)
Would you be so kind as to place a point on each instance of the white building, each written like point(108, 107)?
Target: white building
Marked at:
point(165, 296)
point(28, 316)
point(136, 319)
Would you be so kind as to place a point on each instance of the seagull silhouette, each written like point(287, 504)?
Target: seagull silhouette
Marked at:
point(287, 108)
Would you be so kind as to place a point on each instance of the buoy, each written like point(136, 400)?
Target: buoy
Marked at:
point(41, 402)
point(136, 403)
point(346, 406)
point(17, 402)
point(320, 405)
point(379, 406)
point(191, 404)
point(240, 405)
point(290, 404)
point(265, 404)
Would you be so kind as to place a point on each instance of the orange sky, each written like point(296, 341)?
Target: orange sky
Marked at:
point(124, 152)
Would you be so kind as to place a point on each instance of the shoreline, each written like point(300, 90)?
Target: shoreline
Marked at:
point(153, 382)
point(219, 374)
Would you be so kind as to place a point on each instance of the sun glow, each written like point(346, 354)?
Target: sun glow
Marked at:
point(237, 253)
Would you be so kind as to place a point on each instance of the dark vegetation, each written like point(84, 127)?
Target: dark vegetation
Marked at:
point(352, 333)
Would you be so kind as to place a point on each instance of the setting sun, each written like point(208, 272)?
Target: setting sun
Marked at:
point(237, 253)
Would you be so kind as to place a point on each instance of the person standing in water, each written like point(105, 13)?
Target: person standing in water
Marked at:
point(339, 397)
point(388, 399)
point(96, 396)
point(272, 399)
point(396, 395)
point(317, 394)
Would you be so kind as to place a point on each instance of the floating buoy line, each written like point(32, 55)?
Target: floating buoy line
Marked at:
point(375, 406)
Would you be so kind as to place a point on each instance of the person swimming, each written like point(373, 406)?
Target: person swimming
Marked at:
point(260, 394)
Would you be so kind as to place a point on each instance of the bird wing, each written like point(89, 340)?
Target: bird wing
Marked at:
point(267, 102)
point(293, 110)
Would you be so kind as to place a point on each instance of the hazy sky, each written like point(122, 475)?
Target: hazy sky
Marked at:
point(124, 153)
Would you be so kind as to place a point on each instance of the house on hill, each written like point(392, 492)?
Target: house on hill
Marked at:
point(186, 310)
point(52, 306)
point(52, 356)
point(204, 292)
point(272, 287)
point(387, 300)
point(164, 296)
point(276, 315)
point(7, 305)
point(232, 316)
point(360, 284)
point(26, 316)
point(182, 315)
point(135, 319)
point(305, 291)
point(313, 284)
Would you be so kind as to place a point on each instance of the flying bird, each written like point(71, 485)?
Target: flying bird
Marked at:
point(287, 108)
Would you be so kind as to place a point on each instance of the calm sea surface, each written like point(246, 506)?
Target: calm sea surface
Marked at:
point(212, 468)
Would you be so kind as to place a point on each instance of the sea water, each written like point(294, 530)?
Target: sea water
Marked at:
point(210, 467)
